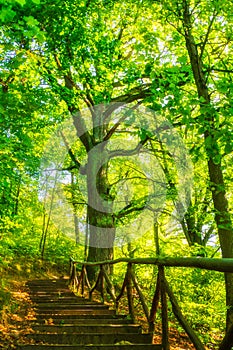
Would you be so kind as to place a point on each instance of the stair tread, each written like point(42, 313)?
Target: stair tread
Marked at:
point(90, 338)
point(78, 321)
point(91, 347)
point(84, 328)
point(66, 321)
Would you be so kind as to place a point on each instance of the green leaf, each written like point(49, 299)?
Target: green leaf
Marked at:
point(21, 2)
point(31, 21)
point(7, 14)
point(182, 59)
point(202, 99)
point(228, 148)
point(36, 2)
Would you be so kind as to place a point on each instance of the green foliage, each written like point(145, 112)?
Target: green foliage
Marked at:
point(201, 296)
point(200, 293)
point(132, 52)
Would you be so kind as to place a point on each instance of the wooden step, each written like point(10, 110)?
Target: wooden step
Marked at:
point(85, 317)
point(48, 281)
point(90, 347)
point(49, 289)
point(53, 293)
point(54, 299)
point(90, 338)
point(78, 321)
point(65, 321)
point(69, 306)
point(91, 328)
point(81, 311)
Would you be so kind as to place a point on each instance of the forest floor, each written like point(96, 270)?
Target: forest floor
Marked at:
point(15, 321)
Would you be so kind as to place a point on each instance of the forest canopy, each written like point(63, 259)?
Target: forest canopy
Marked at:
point(115, 111)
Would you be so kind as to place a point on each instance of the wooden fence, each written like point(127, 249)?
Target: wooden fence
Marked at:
point(162, 290)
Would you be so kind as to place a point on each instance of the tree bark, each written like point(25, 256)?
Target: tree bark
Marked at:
point(99, 212)
point(217, 185)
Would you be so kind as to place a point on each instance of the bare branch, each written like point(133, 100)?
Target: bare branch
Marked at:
point(212, 69)
point(208, 33)
point(85, 137)
point(124, 153)
point(77, 164)
point(109, 111)
point(135, 94)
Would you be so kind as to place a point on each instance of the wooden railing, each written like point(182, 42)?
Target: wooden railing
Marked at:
point(162, 290)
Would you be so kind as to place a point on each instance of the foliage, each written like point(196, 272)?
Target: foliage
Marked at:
point(200, 293)
point(175, 57)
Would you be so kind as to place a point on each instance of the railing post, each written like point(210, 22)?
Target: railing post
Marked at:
point(80, 278)
point(155, 304)
point(122, 291)
point(140, 294)
point(130, 292)
point(86, 278)
point(83, 281)
point(101, 281)
point(109, 287)
point(165, 341)
point(188, 329)
point(70, 269)
point(95, 285)
point(73, 274)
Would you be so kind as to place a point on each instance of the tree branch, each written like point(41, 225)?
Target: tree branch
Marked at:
point(134, 94)
point(128, 153)
point(85, 137)
point(220, 70)
point(132, 207)
point(109, 111)
point(77, 164)
point(208, 33)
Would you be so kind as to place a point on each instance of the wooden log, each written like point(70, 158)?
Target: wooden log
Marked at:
point(178, 313)
point(86, 279)
point(227, 342)
point(70, 269)
point(80, 278)
point(101, 283)
point(83, 282)
point(121, 292)
point(221, 265)
point(73, 278)
point(155, 304)
point(95, 286)
point(130, 293)
point(165, 338)
point(140, 294)
point(110, 287)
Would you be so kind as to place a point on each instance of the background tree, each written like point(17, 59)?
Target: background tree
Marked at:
point(173, 57)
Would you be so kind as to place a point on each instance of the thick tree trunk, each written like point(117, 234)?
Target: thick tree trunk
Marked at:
point(217, 185)
point(99, 212)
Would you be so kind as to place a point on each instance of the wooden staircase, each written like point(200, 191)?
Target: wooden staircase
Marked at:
point(65, 321)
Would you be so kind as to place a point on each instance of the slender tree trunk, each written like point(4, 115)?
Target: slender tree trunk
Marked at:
point(16, 207)
point(217, 185)
point(76, 221)
point(46, 224)
point(76, 229)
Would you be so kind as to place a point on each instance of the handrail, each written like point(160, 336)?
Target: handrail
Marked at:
point(220, 265)
point(162, 290)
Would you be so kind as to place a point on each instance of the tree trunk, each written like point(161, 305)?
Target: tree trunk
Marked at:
point(76, 229)
point(217, 185)
point(76, 221)
point(99, 212)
